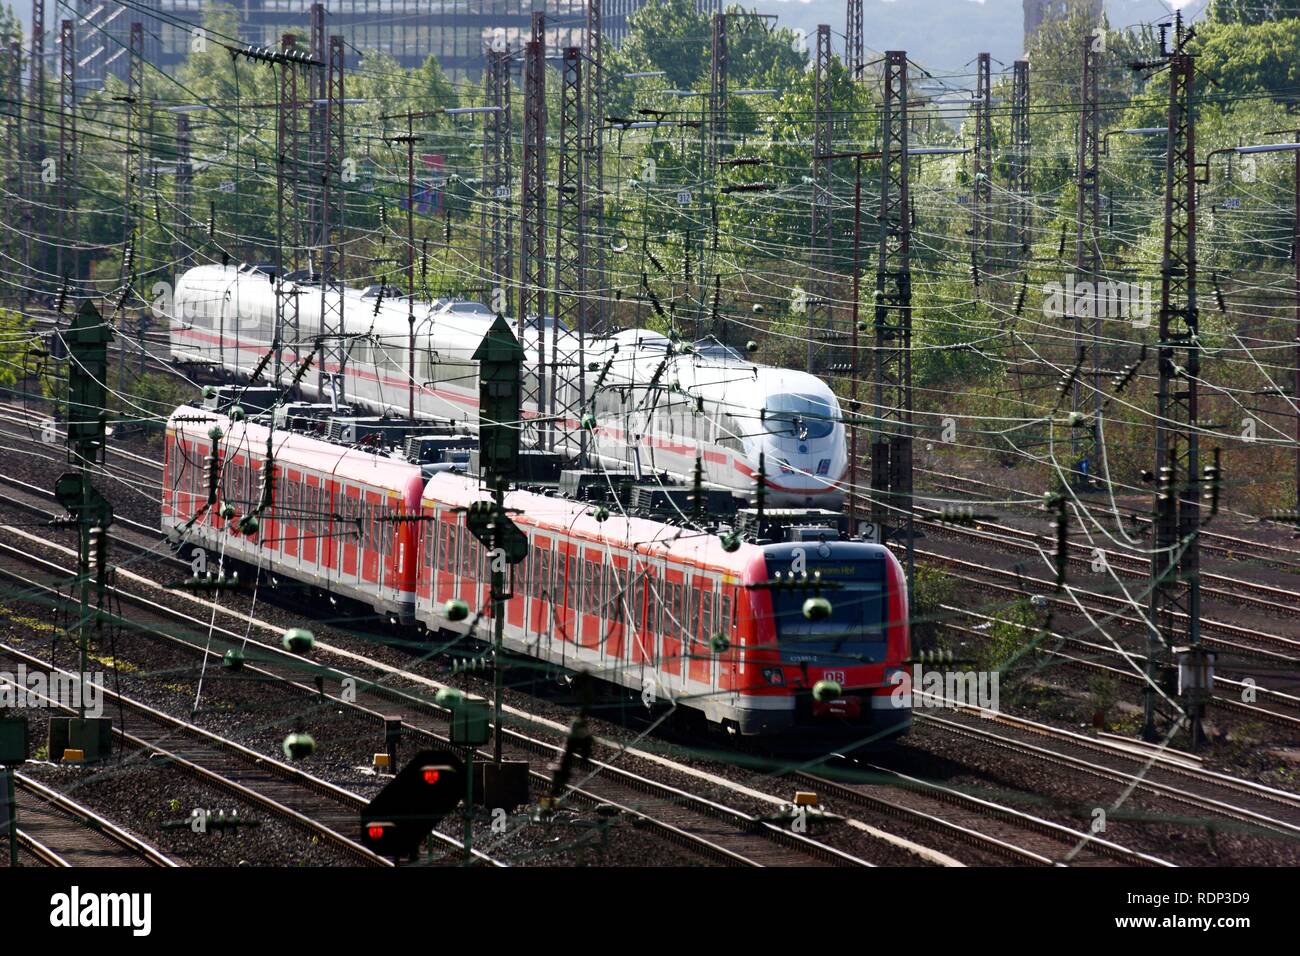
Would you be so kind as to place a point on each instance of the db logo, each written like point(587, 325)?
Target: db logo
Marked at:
point(837, 676)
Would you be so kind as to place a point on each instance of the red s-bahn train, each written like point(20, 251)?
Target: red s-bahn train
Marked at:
point(641, 604)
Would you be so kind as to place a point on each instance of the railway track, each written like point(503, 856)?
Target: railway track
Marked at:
point(62, 832)
point(1160, 772)
point(313, 805)
point(1246, 642)
point(34, 420)
point(1212, 542)
point(1282, 709)
point(1266, 597)
point(1021, 838)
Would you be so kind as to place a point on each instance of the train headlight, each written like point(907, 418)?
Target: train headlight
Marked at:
point(816, 609)
point(826, 690)
point(774, 676)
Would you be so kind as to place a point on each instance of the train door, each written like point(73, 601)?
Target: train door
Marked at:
point(384, 543)
point(670, 617)
point(349, 533)
point(541, 603)
point(615, 616)
point(369, 538)
point(727, 678)
point(517, 582)
point(701, 633)
point(225, 319)
point(311, 523)
point(292, 521)
point(655, 615)
point(445, 578)
point(467, 576)
point(329, 546)
point(590, 598)
point(566, 584)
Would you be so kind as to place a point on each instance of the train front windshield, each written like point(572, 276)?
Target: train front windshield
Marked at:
point(798, 416)
point(855, 630)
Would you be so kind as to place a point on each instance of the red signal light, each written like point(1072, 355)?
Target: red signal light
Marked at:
point(431, 775)
point(375, 832)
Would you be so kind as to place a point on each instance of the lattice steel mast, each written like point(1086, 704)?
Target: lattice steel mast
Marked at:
point(891, 447)
point(821, 332)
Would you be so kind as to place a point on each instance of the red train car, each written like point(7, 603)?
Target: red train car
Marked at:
point(658, 608)
point(333, 518)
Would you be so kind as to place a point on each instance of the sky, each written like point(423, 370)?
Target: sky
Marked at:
point(944, 35)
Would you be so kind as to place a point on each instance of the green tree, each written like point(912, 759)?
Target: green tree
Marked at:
point(1254, 11)
point(16, 338)
point(1245, 57)
point(668, 35)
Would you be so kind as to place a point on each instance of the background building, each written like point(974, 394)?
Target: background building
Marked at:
point(455, 31)
point(1038, 12)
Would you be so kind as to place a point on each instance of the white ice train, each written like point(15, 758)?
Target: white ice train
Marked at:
point(710, 403)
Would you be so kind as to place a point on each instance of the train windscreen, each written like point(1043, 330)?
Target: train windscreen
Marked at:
point(798, 416)
point(855, 630)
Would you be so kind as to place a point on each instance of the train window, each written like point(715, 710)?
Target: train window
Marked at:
point(690, 601)
point(706, 613)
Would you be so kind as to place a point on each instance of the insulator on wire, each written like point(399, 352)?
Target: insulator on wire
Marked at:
point(1061, 523)
point(1121, 381)
point(1067, 383)
point(260, 367)
point(1214, 478)
point(213, 462)
point(97, 549)
point(697, 491)
point(1020, 298)
point(1218, 293)
point(654, 302)
point(302, 369)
